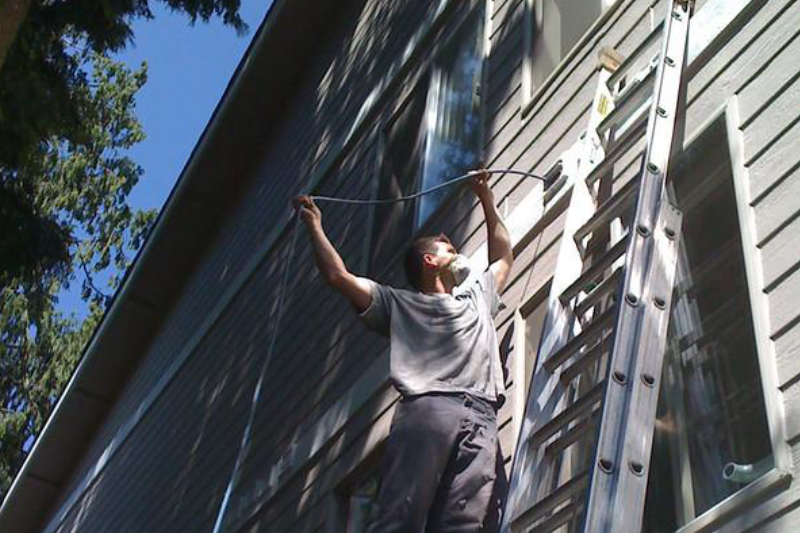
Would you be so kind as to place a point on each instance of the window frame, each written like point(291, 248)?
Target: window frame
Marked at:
point(780, 476)
point(422, 76)
point(530, 94)
point(521, 314)
point(341, 505)
point(721, 19)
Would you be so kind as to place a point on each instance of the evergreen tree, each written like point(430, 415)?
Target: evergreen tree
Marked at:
point(66, 123)
point(43, 95)
point(83, 187)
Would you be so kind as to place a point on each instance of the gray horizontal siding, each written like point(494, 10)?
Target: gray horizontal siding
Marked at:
point(171, 473)
point(770, 113)
point(769, 93)
point(238, 240)
point(175, 411)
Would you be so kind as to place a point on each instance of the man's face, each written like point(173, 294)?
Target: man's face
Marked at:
point(445, 253)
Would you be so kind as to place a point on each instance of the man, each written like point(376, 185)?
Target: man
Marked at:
point(440, 462)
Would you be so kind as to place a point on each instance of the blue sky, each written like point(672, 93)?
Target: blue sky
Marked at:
point(188, 70)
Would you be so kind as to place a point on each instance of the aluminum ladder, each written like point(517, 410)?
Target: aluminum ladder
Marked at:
point(583, 452)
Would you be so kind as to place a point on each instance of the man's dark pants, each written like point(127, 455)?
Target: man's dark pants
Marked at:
point(440, 467)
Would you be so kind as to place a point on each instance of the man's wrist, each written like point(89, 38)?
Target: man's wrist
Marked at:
point(314, 225)
point(486, 197)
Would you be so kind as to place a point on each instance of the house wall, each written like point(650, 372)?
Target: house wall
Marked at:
point(168, 471)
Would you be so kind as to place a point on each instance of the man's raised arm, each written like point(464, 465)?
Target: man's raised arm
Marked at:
point(501, 254)
point(331, 266)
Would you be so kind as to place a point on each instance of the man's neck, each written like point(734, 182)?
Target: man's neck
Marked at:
point(436, 285)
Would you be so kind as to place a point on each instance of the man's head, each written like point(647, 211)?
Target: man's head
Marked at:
point(427, 258)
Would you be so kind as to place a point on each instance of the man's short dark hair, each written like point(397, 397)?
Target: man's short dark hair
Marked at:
point(414, 253)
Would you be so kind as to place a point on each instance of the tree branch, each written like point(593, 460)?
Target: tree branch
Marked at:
point(90, 281)
point(12, 15)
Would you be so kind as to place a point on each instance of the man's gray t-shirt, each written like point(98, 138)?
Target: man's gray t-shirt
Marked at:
point(441, 342)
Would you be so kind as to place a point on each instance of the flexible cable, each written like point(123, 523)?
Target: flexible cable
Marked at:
point(220, 522)
point(448, 183)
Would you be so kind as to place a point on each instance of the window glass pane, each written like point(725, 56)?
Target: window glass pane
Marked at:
point(453, 114)
point(557, 26)
point(534, 323)
point(363, 505)
point(711, 436)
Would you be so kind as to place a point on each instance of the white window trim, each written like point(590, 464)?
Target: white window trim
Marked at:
point(780, 476)
point(714, 19)
point(532, 95)
point(521, 314)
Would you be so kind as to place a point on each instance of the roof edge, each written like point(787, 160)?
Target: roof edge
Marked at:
point(181, 195)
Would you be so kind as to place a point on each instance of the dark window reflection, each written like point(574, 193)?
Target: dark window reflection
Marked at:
point(363, 505)
point(454, 129)
point(711, 437)
point(400, 168)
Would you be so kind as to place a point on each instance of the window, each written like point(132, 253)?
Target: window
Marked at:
point(529, 325)
point(362, 504)
point(553, 29)
point(436, 136)
point(533, 315)
point(712, 435)
point(534, 324)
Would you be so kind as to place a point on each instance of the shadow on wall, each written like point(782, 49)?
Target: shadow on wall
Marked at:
point(322, 349)
point(308, 377)
point(175, 466)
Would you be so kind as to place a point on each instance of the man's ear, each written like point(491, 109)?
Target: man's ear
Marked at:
point(427, 261)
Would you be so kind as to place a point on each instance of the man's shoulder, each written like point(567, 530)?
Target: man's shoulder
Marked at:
point(389, 291)
point(402, 293)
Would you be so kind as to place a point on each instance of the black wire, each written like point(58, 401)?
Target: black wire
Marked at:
point(470, 174)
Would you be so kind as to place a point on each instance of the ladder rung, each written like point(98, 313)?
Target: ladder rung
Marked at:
point(620, 147)
point(564, 515)
point(631, 59)
point(609, 210)
point(721, 331)
point(630, 104)
point(584, 405)
point(606, 286)
point(594, 331)
point(569, 373)
point(635, 129)
point(573, 435)
point(579, 285)
point(563, 493)
point(586, 337)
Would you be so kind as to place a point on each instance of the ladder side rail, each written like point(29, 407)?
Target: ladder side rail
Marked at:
point(649, 360)
point(661, 124)
point(546, 392)
point(646, 376)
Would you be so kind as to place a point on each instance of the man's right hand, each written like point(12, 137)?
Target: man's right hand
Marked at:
point(331, 266)
point(309, 212)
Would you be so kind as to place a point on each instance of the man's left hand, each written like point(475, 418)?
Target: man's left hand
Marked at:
point(480, 184)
